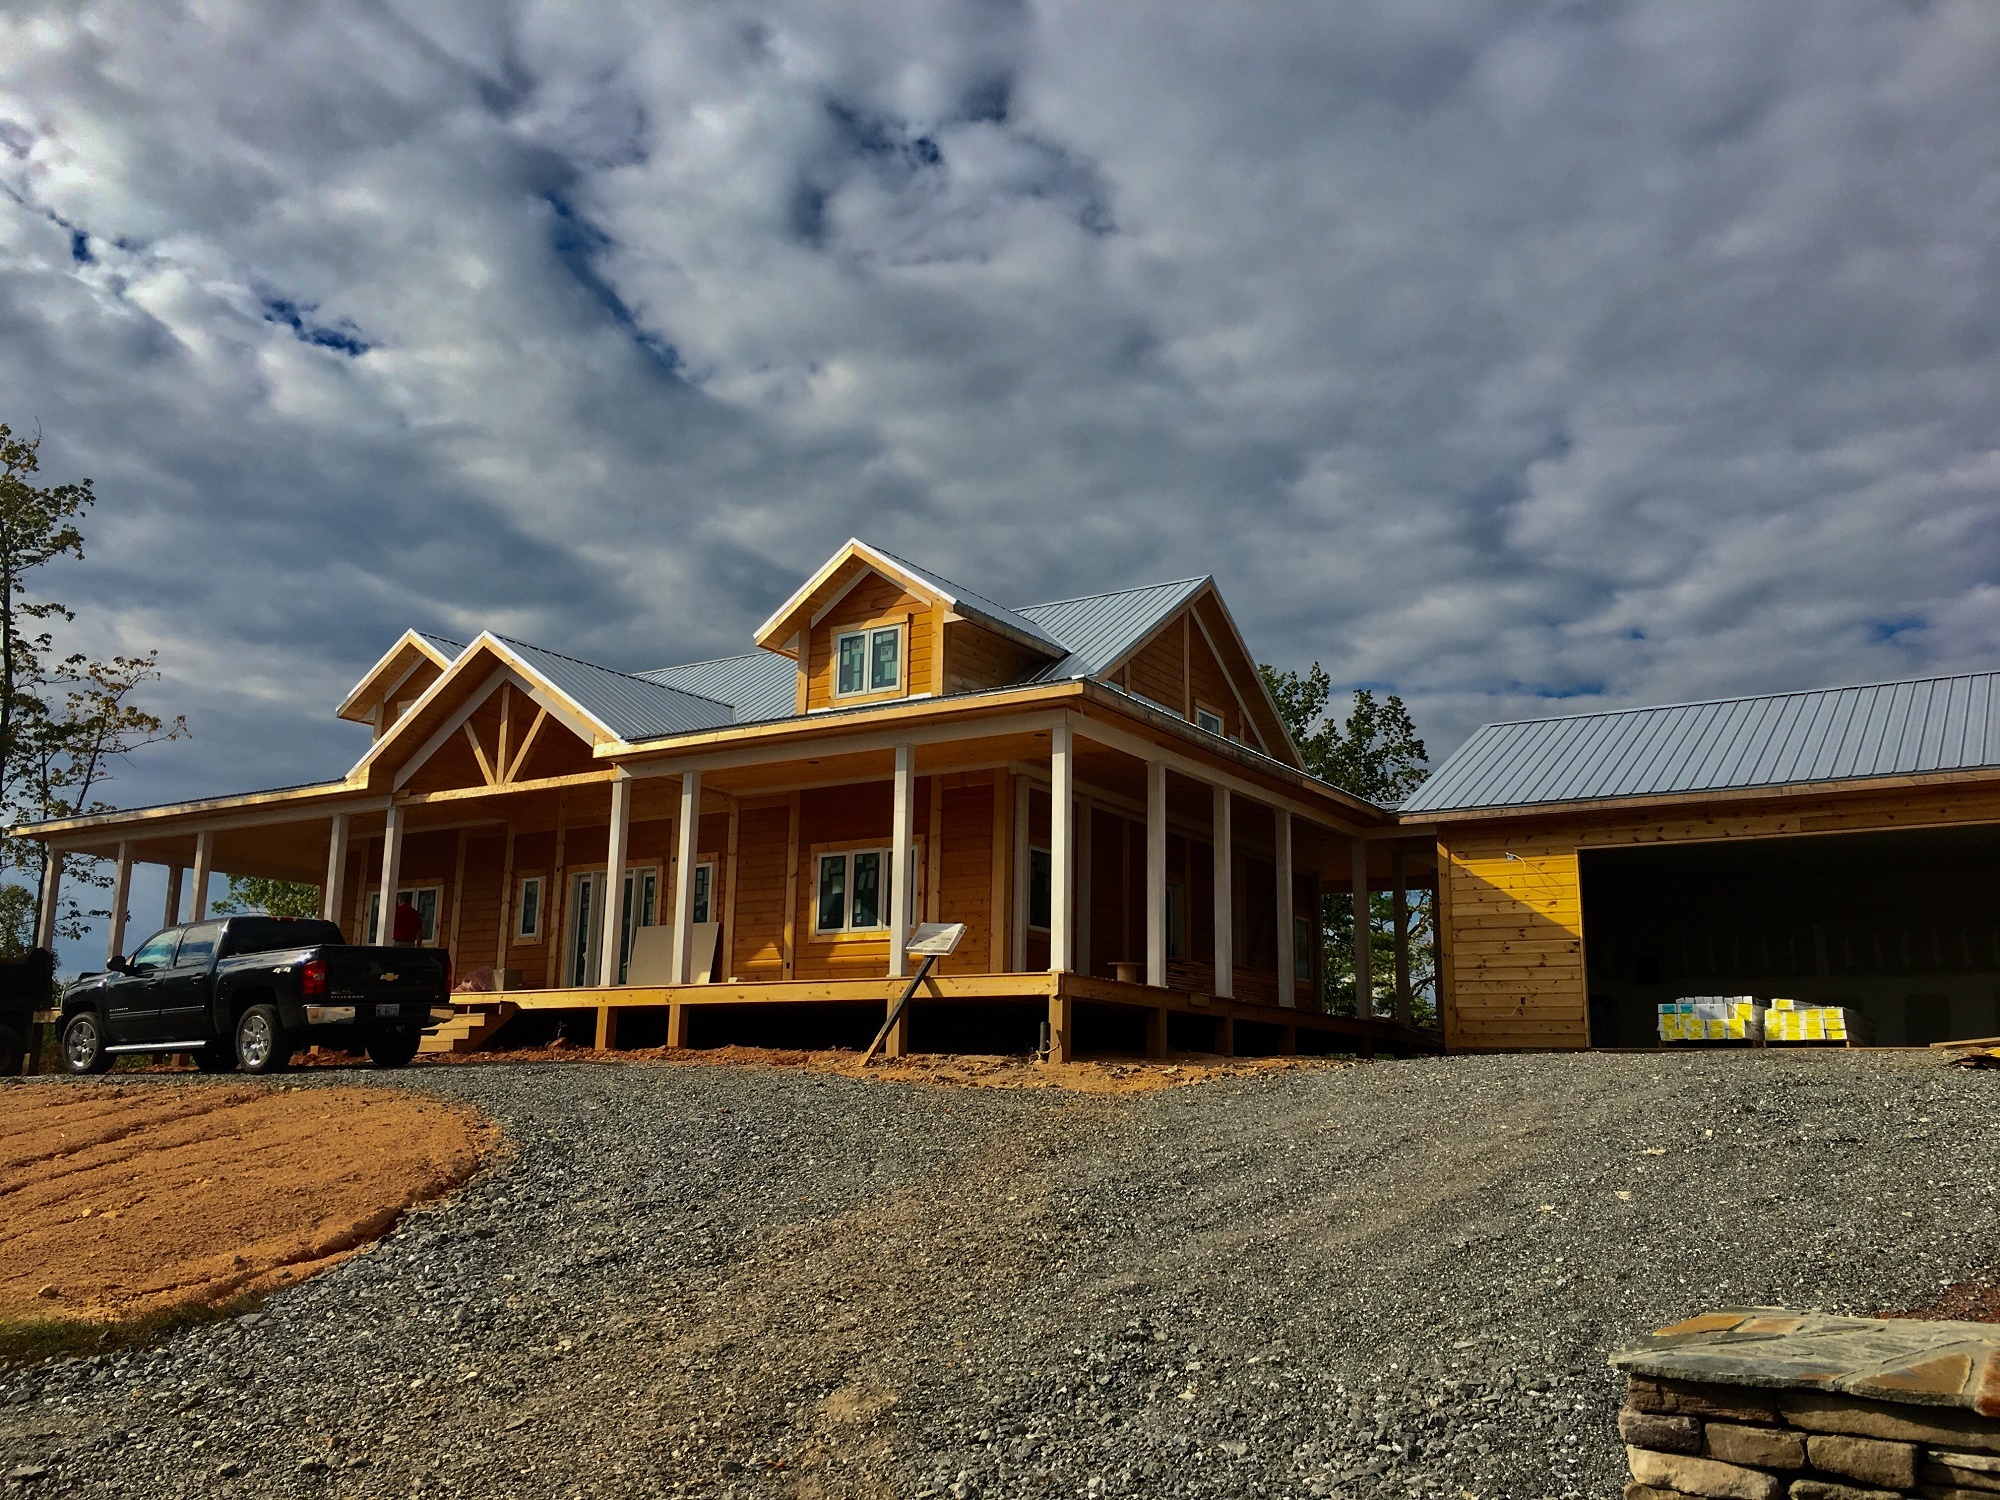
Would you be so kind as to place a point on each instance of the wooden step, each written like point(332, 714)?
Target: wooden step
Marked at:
point(470, 1029)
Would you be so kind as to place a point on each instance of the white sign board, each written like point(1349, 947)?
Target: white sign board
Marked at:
point(935, 939)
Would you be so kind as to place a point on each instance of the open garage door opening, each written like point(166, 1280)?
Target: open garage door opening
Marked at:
point(1903, 926)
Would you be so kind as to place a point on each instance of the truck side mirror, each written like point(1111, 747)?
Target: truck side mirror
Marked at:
point(118, 964)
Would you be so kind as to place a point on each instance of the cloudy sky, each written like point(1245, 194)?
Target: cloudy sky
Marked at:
point(1518, 358)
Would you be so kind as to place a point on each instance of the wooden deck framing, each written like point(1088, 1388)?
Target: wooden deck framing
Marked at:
point(1060, 992)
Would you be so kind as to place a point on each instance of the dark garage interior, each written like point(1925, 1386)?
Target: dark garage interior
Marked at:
point(1903, 926)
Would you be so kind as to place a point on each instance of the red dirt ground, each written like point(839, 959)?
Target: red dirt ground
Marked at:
point(122, 1202)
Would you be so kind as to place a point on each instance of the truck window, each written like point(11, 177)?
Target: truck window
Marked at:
point(268, 934)
point(158, 952)
point(198, 945)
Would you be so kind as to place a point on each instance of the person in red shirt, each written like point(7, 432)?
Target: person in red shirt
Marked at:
point(408, 928)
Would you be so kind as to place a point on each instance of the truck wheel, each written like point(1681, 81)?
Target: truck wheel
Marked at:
point(392, 1049)
point(215, 1058)
point(261, 1043)
point(83, 1044)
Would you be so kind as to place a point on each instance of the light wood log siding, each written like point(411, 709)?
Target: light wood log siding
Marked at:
point(975, 658)
point(1211, 686)
point(479, 920)
point(1512, 913)
point(874, 600)
point(966, 883)
point(761, 836)
point(1158, 671)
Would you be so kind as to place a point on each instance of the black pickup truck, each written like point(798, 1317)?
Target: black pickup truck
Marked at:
point(246, 993)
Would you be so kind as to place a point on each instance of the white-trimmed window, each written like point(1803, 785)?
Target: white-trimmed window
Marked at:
point(868, 661)
point(704, 892)
point(1176, 919)
point(425, 898)
point(1302, 949)
point(851, 892)
point(1207, 718)
point(528, 910)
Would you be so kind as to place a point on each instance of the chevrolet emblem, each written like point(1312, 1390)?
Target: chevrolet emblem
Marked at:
point(391, 978)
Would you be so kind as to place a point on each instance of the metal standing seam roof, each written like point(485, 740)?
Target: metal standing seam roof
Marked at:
point(633, 708)
point(1781, 739)
point(973, 604)
point(1097, 629)
point(757, 684)
point(449, 648)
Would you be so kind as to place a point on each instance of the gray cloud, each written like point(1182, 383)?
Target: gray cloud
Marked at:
point(1517, 358)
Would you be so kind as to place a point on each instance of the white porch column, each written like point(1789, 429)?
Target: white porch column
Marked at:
point(902, 858)
point(1286, 977)
point(204, 863)
point(1156, 874)
point(614, 882)
point(690, 846)
point(172, 914)
point(121, 892)
point(392, 877)
point(1400, 885)
point(1364, 957)
point(1225, 899)
point(1062, 849)
point(330, 894)
point(45, 906)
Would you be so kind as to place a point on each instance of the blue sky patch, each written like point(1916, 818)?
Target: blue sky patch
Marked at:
point(342, 337)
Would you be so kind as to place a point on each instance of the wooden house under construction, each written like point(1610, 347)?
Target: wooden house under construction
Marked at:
point(1099, 788)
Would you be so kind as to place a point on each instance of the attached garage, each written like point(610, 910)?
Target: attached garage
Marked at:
point(1834, 847)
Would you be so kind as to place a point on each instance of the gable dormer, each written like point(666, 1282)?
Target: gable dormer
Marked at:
point(869, 628)
point(403, 675)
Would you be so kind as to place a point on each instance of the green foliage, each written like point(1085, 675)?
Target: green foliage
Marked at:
point(65, 722)
point(1375, 753)
point(280, 898)
point(17, 920)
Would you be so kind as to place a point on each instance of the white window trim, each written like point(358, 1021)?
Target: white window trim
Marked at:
point(1221, 724)
point(867, 634)
point(373, 896)
point(873, 934)
point(524, 934)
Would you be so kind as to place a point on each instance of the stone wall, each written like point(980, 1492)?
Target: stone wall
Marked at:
point(1764, 1404)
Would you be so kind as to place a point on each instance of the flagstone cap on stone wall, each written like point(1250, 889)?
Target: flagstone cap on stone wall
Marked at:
point(1884, 1359)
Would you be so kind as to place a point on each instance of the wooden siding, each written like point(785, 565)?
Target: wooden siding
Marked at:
point(1159, 670)
point(976, 658)
point(965, 885)
point(1211, 686)
point(875, 600)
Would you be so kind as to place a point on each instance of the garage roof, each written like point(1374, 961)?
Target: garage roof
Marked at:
point(1831, 734)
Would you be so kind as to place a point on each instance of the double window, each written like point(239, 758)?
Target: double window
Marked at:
point(425, 898)
point(853, 891)
point(868, 661)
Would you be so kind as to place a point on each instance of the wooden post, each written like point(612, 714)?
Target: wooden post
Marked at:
point(1156, 1031)
point(1023, 859)
point(791, 886)
point(555, 900)
point(902, 859)
point(1225, 899)
point(729, 902)
point(1364, 958)
point(336, 869)
point(1062, 849)
point(1156, 874)
point(934, 853)
point(45, 908)
point(690, 847)
point(1401, 888)
point(607, 1027)
point(999, 924)
point(457, 897)
point(1286, 978)
point(619, 837)
point(677, 1024)
point(204, 863)
point(172, 914)
point(1062, 1028)
point(121, 890)
point(1225, 1035)
point(392, 877)
point(507, 917)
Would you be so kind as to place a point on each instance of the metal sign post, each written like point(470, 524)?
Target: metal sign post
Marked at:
point(931, 941)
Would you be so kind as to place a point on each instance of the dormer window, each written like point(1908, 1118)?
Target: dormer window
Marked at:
point(868, 661)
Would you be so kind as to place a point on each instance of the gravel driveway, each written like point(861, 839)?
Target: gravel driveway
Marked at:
point(1392, 1279)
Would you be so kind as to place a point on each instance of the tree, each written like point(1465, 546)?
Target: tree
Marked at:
point(64, 723)
point(279, 898)
point(1375, 753)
